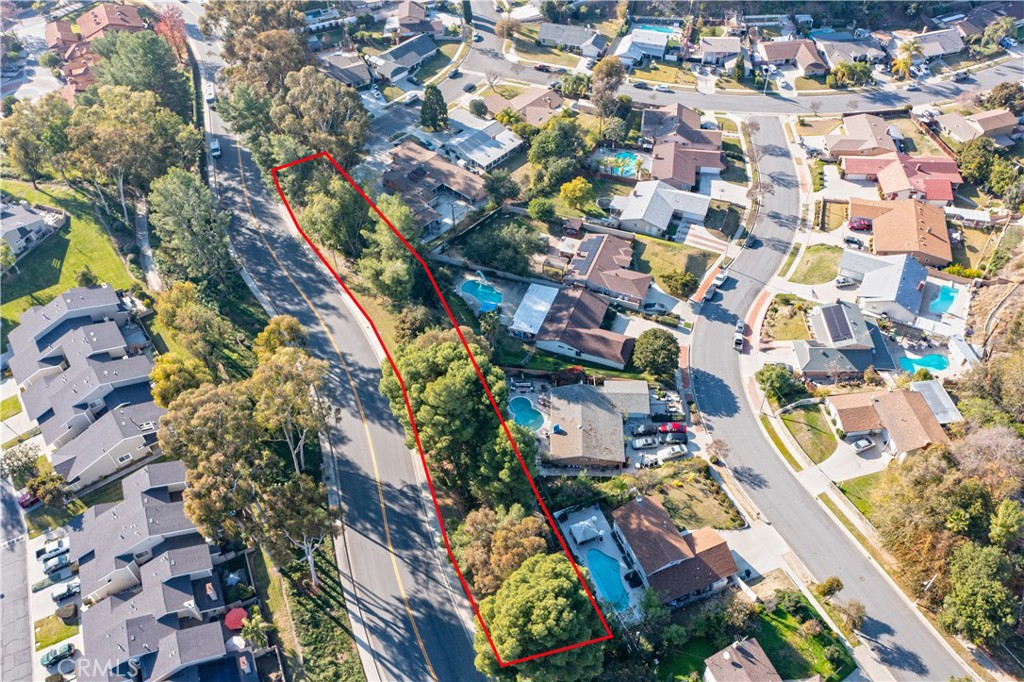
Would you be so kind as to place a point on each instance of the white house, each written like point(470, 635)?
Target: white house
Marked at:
point(481, 143)
point(654, 205)
point(641, 44)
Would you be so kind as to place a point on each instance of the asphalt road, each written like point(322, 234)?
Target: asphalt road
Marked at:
point(15, 620)
point(411, 613)
point(896, 635)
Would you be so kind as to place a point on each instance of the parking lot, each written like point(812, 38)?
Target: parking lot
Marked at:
point(41, 603)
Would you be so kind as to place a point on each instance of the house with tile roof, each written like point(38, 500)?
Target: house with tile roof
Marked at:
point(573, 328)
point(604, 264)
point(744, 661)
point(859, 135)
point(902, 419)
point(801, 53)
point(421, 176)
point(906, 226)
point(932, 179)
point(889, 285)
point(536, 105)
point(678, 567)
point(996, 124)
point(681, 150)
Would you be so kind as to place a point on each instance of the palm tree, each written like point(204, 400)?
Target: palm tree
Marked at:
point(489, 323)
point(901, 66)
point(254, 629)
point(912, 47)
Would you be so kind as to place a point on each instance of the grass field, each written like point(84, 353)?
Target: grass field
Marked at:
point(52, 267)
point(914, 141)
point(971, 251)
point(695, 500)
point(788, 263)
point(735, 171)
point(665, 72)
point(658, 257)
point(10, 407)
point(526, 46)
point(52, 630)
point(439, 62)
point(727, 124)
point(818, 126)
point(811, 429)
point(819, 264)
point(858, 490)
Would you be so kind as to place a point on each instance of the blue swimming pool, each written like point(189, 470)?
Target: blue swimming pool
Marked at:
point(489, 297)
point(944, 300)
point(658, 29)
point(931, 362)
point(625, 164)
point(523, 412)
point(608, 577)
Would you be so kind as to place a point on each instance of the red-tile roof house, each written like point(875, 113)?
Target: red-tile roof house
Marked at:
point(906, 226)
point(78, 62)
point(803, 53)
point(932, 179)
point(59, 36)
point(679, 568)
point(108, 18)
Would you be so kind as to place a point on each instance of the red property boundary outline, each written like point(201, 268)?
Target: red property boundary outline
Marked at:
point(412, 419)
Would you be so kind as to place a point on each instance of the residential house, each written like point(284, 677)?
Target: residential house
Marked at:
point(995, 124)
point(902, 419)
point(579, 39)
point(421, 175)
point(801, 53)
point(906, 226)
point(105, 18)
point(347, 67)
point(744, 661)
point(888, 285)
point(481, 144)
point(59, 36)
point(573, 328)
point(587, 422)
point(410, 20)
point(933, 44)
point(640, 45)
point(532, 311)
point(842, 46)
point(83, 376)
point(939, 401)
point(322, 19)
point(718, 50)
point(403, 59)
point(23, 226)
point(932, 179)
point(681, 149)
point(973, 23)
point(844, 344)
point(859, 135)
point(537, 105)
point(604, 264)
point(652, 206)
point(149, 577)
point(679, 568)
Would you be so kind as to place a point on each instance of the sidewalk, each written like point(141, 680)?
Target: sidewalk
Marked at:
point(145, 250)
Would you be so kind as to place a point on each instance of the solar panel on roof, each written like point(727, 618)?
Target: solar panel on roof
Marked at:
point(838, 325)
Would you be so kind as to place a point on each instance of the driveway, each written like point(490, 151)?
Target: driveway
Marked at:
point(845, 464)
point(41, 604)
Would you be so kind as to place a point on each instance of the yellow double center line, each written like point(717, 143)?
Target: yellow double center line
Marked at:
point(362, 416)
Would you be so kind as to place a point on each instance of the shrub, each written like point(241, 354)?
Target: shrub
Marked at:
point(55, 677)
point(833, 653)
point(67, 612)
point(831, 82)
point(811, 628)
point(668, 320)
point(49, 59)
point(240, 592)
point(541, 209)
point(789, 601)
point(960, 271)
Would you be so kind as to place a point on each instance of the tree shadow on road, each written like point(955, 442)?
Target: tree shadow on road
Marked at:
point(716, 397)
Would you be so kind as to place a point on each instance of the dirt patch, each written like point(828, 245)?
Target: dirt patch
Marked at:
point(818, 126)
point(771, 581)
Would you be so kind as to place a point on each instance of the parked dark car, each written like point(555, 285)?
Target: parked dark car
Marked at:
point(469, 87)
point(640, 85)
point(672, 427)
point(853, 241)
point(645, 430)
point(455, 73)
point(542, 67)
point(655, 308)
point(57, 654)
point(675, 439)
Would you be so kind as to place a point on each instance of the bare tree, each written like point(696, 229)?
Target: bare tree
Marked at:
point(993, 455)
point(815, 106)
point(718, 448)
point(492, 78)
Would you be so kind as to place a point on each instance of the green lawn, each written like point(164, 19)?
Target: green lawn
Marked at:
point(503, 90)
point(513, 353)
point(689, 660)
point(659, 257)
point(723, 218)
point(270, 587)
point(818, 126)
point(858, 490)
point(735, 170)
point(803, 83)
point(727, 124)
point(52, 630)
point(810, 427)
point(665, 72)
point(10, 407)
point(788, 263)
point(819, 264)
point(52, 267)
point(526, 47)
point(439, 62)
point(779, 445)
point(602, 188)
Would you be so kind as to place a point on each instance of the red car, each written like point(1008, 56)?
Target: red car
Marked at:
point(27, 500)
point(860, 225)
point(672, 427)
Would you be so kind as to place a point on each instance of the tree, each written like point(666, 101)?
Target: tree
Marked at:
point(562, 139)
point(478, 107)
point(144, 62)
point(281, 331)
point(997, 30)
point(85, 277)
point(811, 628)
point(1007, 523)
point(980, 604)
point(236, 23)
point(911, 48)
point(901, 66)
point(509, 248)
point(500, 186)
point(322, 113)
point(507, 27)
point(208, 420)
point(615, 129)
point(173, 374)
point(490, 546)
point(508, 116)
point(288, 391)
point(1002, 175)
point(577, 193)
point(434, 110)
point(268, 58)
point(975, 159)
point(7, 258)
point(540, 607)
point(197, 328)
point(295, 516)
point(852, 73)
point(192, 232)
point(336, 217)
point(656, 351)
point(778, 382)
point(575, 85)
point(1008, 94)
point(992, 455)
point(170, 25)
point(254, 628)
point(680, 283)
point(831, 586)
point(20, 133)
point(49, 487)
point(413, 320)
point(386, 264)
point(18, 462)
point(541, 209)
point(223, 491)
point(739, 70)
point(608, 76)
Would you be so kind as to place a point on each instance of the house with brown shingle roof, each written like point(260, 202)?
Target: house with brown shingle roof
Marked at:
point(603, 264)
point(573, 328)
point(106, 18)
point(60, 36)
point(996, 124)
point(902, 419)
point(861, 135)
point(906, 226)
point(744, 661)
point(537, 105)
point(680, 149)
point(679, 568)
point(418, 174)
point(802, 53)
point(932, 179)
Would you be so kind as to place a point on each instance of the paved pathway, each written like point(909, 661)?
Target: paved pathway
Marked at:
point(145, 250)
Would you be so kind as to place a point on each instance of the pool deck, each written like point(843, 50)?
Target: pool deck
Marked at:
point(606, 545)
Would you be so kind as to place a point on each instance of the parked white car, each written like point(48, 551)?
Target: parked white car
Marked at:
point(65, 590)
point(645, 443)
point(862, 444)
point(844, 282)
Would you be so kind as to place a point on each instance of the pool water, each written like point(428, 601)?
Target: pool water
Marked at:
point(944, 300)
point(523, 412)
point(608, 577)
point(488, 296)
point(657, 29)
point(625, 164)
point(932, 362)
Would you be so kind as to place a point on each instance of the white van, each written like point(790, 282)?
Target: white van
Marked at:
point(215, 148)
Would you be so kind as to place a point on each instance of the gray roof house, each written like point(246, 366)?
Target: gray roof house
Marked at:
point(480, 143)
point(348, 67)
point(844, 344)
point(84, 378)
point(148, 577)
point(580, 39)
point(22, 226)
point(889, 285)
point(403, 59)
point(653, 205)
point(842, 46)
